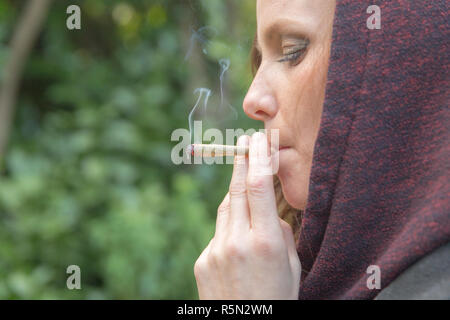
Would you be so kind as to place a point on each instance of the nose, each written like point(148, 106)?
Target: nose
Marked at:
point(260, 102)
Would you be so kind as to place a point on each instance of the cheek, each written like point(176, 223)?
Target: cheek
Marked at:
point(311, 78)
point(303, 112)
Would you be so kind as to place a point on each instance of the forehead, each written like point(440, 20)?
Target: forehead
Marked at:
point(292, 7)
point(280, 13)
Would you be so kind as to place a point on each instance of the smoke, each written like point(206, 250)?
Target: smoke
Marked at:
point(225, 111)
point(203, 94)
point(202, 37)
point(224, 66)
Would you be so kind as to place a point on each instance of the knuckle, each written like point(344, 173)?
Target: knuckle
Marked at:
point(235, 251)
point(264, 247)
point(256, 184)
point(223, 208)
point(237, 189)
point(200, 268)
point(215, 258)
point(239, 162)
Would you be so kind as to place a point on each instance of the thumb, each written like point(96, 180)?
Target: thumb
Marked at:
point(290, 244)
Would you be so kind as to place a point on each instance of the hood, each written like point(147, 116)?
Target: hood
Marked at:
point(379, 186)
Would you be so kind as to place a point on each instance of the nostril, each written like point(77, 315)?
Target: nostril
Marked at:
point(259, 103)
point(261, 114)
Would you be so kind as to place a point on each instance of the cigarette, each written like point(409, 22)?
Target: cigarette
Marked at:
point(215, 150)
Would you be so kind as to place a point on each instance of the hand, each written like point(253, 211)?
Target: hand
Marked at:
point(252, 254)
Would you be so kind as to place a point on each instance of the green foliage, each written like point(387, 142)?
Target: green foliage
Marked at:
point(87, 177)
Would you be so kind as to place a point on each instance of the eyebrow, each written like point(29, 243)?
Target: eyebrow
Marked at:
point(284, 25)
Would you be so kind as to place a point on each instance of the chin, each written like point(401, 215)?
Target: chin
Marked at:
point(295, 192)
point(294, 172)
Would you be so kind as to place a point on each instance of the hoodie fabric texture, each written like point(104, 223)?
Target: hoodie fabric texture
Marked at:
point(379, 188)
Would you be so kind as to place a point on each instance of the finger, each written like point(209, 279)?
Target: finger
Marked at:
point(239, 211)
point(260, 190)
point(288, 237)
point(291, 247)
point(223, 213)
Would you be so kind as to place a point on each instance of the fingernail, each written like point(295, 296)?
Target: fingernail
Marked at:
point(243, 141)
point(258, 137)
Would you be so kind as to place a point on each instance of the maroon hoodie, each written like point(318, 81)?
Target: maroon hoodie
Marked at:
point(379, 189)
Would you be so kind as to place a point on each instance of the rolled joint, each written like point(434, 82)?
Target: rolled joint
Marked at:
point(215, 150)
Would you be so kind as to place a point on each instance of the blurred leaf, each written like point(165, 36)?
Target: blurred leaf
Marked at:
point(88, 179)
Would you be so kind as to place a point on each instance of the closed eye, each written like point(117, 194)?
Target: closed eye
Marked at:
point(295, 54)
point(293, 58)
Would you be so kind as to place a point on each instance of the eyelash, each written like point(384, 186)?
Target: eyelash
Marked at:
point(293, 57)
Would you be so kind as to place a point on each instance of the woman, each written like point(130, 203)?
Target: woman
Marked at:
point(363, 163)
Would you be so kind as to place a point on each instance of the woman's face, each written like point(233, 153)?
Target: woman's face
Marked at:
point(287, 93)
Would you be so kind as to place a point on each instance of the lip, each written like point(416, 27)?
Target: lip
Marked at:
point(280, 148)
point(279, 145)
point(283, 148)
